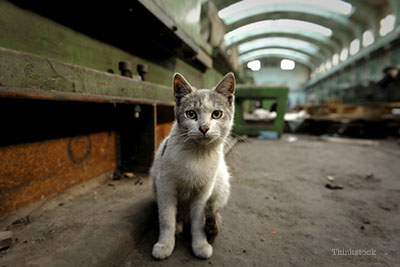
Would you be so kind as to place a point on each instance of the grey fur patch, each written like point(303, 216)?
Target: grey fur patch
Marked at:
point(164, 148)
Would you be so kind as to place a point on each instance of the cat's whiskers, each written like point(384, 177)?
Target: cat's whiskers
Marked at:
point(229, 144)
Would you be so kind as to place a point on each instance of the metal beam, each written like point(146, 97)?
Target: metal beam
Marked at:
point(283, 42)
point(275, 52)
point(334, 46)
point(325, 49)
point(344, 28)
point(317, 60)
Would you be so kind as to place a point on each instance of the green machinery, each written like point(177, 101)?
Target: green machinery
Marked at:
point(245, 94)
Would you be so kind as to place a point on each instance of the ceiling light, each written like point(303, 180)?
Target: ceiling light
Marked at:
point(335, 59)
point(387, 24)
point(287, 64)
point(354, 46)
point(368, 38)
point(344, 54)
point(254, 65)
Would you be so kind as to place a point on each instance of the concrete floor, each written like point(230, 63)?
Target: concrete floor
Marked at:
point(280, 213)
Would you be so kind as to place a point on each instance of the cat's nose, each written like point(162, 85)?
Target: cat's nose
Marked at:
point(203, 129)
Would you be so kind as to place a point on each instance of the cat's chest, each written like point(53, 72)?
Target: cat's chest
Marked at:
point(199, 165)
point(192, 168)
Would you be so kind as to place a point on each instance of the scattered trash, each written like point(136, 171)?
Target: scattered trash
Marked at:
point(330, 178)
point(22, 221)
point(291, 139)
point(353, 141)
point(118, 175)
point(129, 174)
point(262, 239)
point(384, 207)
point(6, 239)
point(369, 175)
point(333, 187)
point(273, 233)
point(242, 250)
point(37, 239)
point(294, 116)
point(138, 181)
point(260, 114)
point(295, 119)
point(268, 135)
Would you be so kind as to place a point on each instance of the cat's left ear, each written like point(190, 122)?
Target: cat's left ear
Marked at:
point(181, 88)
point(226, 86)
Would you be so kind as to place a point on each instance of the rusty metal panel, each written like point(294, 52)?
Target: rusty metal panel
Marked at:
point(31, 171)
point(162, 131)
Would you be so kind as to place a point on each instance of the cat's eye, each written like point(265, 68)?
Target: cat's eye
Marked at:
point(190, 114)
point(216, 114)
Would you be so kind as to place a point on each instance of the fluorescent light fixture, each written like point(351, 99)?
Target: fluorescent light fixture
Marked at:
point(243, 9)
point(335, 59)
point(368, 38)
point(278, 42)
point(387, 24)
point(328, 64)
point(274, 52)
point(354, 46)
point(287, 64)
point(294, 25)
point(344, 54)
point(322, 68)
point(254, 65)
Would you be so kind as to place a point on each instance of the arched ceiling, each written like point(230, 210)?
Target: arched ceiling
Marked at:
point(261, 27)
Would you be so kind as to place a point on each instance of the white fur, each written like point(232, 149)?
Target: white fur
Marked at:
point(189, 170)
point(185, 171)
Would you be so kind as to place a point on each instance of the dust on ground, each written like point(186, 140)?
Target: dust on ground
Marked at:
point(281, 212)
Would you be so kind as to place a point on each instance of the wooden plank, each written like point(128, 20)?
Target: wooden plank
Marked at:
point(31, 72)
point(21, 93)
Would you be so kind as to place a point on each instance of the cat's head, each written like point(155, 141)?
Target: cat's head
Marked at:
point(204, 116)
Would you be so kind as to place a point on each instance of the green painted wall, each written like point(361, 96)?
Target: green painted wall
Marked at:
point(26, 31)
point(364, 72)
point(211, 78)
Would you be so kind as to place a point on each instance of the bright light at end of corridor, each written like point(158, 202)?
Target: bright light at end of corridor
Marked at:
point(254, 65)
point(287, 64)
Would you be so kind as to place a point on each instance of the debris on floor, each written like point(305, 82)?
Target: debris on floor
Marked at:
point(330, 178)
point(333, 187)
point(268, 135)
point(353, 141)
point(6, 239)
point(291, 139)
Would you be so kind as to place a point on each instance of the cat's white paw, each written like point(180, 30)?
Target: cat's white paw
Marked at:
point(162, 251)
point(203, 250)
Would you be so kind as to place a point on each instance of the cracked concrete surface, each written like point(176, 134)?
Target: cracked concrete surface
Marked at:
point(280, 213)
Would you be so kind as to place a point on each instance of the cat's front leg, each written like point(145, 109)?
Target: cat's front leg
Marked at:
point(201, 248)
point(167, 202)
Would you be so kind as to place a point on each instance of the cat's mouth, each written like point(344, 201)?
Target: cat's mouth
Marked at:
point(205, 139)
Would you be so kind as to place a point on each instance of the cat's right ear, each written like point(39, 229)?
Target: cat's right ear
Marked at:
point(181, 87)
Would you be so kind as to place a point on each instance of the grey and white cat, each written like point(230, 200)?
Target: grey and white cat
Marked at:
point(190, 176)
